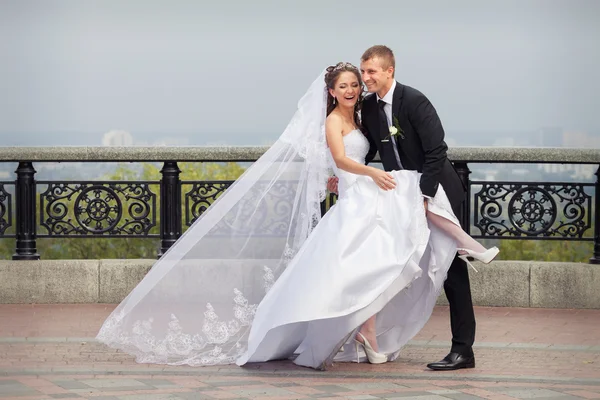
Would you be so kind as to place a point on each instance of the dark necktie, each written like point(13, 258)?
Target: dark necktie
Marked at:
point(388, 157)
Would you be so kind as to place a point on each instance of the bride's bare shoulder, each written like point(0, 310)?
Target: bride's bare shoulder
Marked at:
point(333, 123)
point(333, 117)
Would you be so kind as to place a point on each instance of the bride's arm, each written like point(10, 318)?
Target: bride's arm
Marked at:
point(335, 141)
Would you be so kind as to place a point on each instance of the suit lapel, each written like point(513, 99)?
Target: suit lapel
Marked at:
point(373, 121)
point(396, 113)
point(404, 148)
point(372, 116)
point(397, 100)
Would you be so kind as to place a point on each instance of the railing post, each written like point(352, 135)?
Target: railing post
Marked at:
point(596, 257)
point(463, 172)
point(25, 248)
point(170, 206)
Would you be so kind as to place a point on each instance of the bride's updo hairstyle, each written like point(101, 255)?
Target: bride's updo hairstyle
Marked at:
point(331, 77)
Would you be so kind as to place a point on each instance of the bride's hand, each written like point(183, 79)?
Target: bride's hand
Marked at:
point(383, 179)
point(332, 184)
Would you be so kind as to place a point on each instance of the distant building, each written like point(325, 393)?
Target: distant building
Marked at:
point(117, 138)
point(581, 139)
point(574, 171)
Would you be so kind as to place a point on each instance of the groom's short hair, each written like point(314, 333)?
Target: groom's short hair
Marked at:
point(382, 52)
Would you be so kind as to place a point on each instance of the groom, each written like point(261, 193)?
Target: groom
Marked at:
point(418, 144)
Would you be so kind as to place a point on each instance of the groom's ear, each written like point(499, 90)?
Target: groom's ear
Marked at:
point(392, 70)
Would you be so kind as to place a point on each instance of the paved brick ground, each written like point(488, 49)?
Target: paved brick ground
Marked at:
point(48, 352)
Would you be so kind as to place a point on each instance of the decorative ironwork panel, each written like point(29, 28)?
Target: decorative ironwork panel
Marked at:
point(201, 196)
point(5, 209)
point(532, 210)
point(98, 209)
point(270, 218)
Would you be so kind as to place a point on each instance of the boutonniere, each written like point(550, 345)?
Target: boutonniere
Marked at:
point(395, 130)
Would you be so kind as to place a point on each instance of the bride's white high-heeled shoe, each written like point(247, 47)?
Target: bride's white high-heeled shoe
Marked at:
point(373, 356)
point(486, 257)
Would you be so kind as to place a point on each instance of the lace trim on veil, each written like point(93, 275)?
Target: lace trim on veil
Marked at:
point(178, 347)
point(299, 156)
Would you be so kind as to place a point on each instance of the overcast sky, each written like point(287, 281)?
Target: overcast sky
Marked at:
point(208, 69)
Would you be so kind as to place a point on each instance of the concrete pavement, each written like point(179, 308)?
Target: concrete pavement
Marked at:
point(48, 352)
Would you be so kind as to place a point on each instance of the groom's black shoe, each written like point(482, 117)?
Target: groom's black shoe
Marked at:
point(453, 361)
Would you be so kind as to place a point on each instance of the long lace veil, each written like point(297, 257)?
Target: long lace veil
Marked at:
point(196, 304)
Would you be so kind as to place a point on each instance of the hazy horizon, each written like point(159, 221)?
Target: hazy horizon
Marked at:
point(203, 72)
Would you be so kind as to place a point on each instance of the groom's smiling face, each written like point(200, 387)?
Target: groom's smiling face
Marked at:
point(377, 75)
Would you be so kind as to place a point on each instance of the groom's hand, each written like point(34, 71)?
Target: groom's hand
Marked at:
point(332, 184)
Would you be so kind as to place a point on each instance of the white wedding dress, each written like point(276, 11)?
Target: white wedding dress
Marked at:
point(261, 276)
point(372, 253)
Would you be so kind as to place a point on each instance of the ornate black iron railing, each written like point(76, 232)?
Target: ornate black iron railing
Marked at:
point(532, 210)
point(161, 209)
point(201, 196)
point(110, 209)
point(5, 208)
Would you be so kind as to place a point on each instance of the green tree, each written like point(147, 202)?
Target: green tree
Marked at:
point(545, 250)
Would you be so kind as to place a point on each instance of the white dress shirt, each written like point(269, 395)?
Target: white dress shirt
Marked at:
point(388, 98)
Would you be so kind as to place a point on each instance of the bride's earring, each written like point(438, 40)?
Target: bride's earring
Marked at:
point(334, 101)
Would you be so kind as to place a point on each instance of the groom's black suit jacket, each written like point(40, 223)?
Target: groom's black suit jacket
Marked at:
point(422, 149)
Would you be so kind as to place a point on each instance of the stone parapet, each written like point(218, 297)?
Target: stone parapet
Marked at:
point(499, 284)
point(251, 153)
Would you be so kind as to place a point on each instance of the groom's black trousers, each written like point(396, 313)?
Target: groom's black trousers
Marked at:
point(458, 292)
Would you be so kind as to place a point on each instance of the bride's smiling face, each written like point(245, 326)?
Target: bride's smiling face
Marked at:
point(346, 89)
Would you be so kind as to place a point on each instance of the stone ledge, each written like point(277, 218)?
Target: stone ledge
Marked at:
point(552, 285)
point(500, 284)
point(116, 278)
point(249, 153)
point(49, 281)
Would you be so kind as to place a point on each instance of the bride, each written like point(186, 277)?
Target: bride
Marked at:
point(261, 276)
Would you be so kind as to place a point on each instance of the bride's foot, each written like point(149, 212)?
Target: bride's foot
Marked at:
point(363, 336)
point(372, 355)
point(485, 257)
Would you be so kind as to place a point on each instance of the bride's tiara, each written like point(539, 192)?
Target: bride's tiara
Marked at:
point(340, 66)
